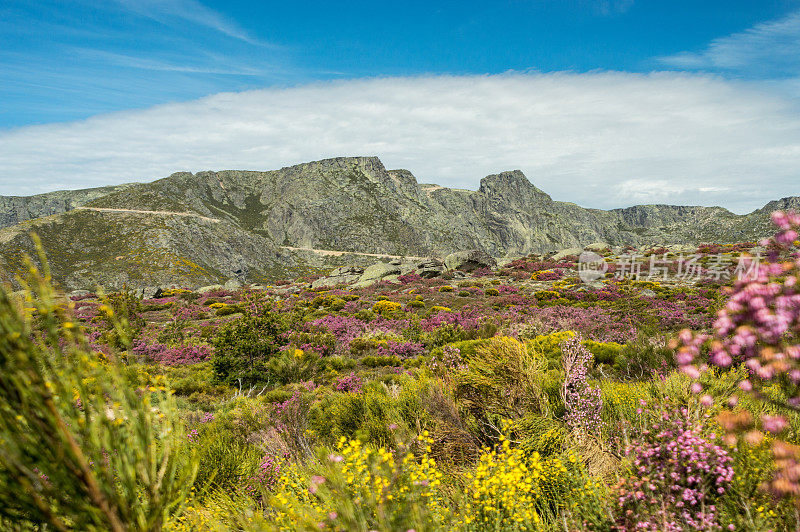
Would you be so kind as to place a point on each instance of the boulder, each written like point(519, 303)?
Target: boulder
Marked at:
point(597, 246)
point(566, 253)
point(346, 270)
point(341, 275)
point(232, 284)
point(335, 280)
point(469, 260)
point(428, 263)
point(430, 273)
point(379, 271)
point(407, 267)
point(149, 292)
point(209, 288)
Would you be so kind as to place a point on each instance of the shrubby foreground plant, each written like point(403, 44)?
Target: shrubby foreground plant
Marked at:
point(80, 449)
point(509, 403)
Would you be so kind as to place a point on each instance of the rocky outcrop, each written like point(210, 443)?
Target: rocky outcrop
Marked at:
point(16, 209)
point(344, 275)
point(468, 261)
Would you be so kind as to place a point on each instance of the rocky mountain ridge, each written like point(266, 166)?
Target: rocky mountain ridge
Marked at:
point(261, 225)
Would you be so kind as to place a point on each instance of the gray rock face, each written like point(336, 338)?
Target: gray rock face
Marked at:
point(16, 209)
point(469, 260)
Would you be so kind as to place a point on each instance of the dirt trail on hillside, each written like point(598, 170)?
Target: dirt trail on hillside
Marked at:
point(168, 213)
point(340, 253)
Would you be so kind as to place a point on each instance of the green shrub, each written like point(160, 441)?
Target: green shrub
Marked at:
point(492, 292)
point(278, 395)
point(416, 303)
point(380, 361)
point(154, 307)
point(225, 461)
point(292, 365)
point(173, 332)
point(337, 363)
point(503, 381)
point(244, 347)
point(604, 352)
point(464, 293)
point(227, 310)
point(365, 415)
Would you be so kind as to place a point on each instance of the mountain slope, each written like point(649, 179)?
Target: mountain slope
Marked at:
point(242, 223)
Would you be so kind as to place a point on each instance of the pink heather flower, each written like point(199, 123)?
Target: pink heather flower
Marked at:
point(696, 388)
point(773, 424)
point(691, 371)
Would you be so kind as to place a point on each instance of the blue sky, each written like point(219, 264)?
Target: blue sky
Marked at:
point(69, 60)
point(602, 102)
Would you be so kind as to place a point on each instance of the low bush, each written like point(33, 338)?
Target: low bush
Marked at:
point(244, 347)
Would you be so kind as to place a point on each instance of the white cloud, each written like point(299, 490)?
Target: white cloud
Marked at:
point(599, 139)
point(768, 49)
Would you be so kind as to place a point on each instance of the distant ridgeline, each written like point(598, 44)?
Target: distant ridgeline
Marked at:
point(194, 229)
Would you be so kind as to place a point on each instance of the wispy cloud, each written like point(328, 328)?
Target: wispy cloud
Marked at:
point(612, 7)
point(146, 63)
point(770, 49)
point(600, 139)
point(167, 11)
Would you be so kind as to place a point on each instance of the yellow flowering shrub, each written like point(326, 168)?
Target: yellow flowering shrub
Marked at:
point(545, 295)
point(445, 288)
point(502, 493)
point(514, 490)
point(388, 309)
point(359, 487)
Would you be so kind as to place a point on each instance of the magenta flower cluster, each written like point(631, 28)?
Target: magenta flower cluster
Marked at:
point(676, 478)
point(401, 349)
point(593, 322)
point(172, 356)
point(349, 383)
point(760, 327)
point(264, 478)
point(466, 319)
point(582, 402)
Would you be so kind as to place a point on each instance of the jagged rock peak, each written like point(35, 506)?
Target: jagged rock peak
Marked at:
point(512, 183)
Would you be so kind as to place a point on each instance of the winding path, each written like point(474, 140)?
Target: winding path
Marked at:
point(135, 211)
